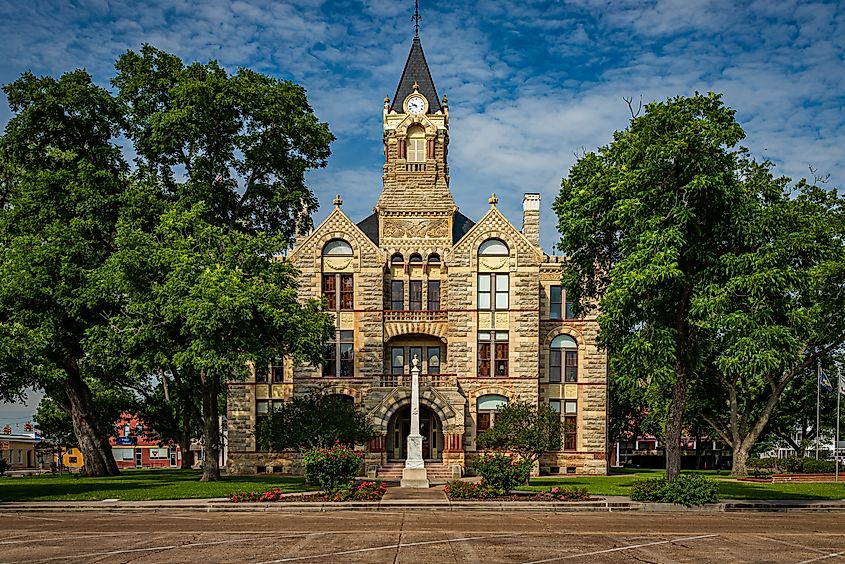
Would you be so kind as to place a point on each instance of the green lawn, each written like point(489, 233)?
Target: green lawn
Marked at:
point(620, 484)
point(138, 485)
point(185, 484)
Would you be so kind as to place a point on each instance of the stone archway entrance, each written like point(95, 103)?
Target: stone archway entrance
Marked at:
point(431, 429)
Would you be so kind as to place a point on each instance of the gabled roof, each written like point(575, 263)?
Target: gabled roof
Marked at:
point(338, 222)
point(496, 221)
point(416, 71)
point(369, 226)
point(461, 224)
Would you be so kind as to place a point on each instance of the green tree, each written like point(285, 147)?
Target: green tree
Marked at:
point(109, 402)
point(222, 159)
point(644, 221)
point(795, 413)
point(315, 420)
point(524, 428)
point(774, 310)
point(61, 177)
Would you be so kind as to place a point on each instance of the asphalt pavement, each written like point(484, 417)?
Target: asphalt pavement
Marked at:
point(419, 536)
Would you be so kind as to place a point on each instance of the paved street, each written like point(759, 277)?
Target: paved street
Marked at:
point(421, 536)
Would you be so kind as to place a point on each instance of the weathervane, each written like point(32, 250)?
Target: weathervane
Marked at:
point(416, 18)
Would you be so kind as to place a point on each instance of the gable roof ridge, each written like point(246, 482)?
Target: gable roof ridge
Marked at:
point(495, 211)
point(337, 212)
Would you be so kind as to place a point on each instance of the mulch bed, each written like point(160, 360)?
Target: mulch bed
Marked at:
point(524, 496)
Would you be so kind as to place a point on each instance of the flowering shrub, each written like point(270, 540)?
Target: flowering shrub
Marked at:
point(332, 468)
point(569, 493)
point(365, 491)
point(457, 489)
point(265, 496)
point(502, 472)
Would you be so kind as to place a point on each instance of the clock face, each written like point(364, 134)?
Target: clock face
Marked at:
point(416, 105)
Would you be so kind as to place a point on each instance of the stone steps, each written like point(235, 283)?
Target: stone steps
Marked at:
point(435, 470)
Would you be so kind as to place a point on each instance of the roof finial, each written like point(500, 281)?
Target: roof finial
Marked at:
point(416, 18)
point(337, 201)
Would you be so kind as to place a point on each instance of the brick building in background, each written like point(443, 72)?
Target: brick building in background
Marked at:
point(136, 446)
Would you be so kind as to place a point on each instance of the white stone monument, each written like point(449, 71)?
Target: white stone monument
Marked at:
point(414, 475)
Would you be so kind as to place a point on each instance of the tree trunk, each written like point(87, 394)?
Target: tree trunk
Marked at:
point(185, 439)
point(698, 448)
point(740, 458)
point(210, 463)
point(674, 428)
point(97, 455)
point(187, 453)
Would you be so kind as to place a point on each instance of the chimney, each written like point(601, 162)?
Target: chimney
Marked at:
point(531, 218)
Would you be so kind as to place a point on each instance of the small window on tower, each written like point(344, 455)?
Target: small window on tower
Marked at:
point(416, 145)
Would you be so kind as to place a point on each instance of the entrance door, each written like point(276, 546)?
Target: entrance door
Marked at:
point(173, 457)
point(139, 461)
point(400, 426)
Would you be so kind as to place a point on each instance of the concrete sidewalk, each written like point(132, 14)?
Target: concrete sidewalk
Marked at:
point(420, 500)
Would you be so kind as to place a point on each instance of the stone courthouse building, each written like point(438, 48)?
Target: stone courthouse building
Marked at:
point(478, 303)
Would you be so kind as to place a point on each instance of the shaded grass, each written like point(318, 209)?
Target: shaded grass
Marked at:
point(729, 488)
point(135, 485)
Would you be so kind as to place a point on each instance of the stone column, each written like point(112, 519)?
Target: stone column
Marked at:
point(414, 475)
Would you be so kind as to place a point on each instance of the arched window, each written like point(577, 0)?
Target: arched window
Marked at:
point(433, 258)
point(563, 359)
point(337, 247)
point(493, 248)
point(415, 258)
point(338, 288)
point(416, 145)
point(488, 405)
point(397, 258)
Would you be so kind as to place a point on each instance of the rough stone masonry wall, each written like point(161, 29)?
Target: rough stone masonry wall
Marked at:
point(240, 408)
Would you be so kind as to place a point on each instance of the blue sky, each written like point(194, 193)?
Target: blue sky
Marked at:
point(530, 83)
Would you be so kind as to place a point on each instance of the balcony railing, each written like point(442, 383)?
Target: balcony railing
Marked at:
point(426, 380)
point(418, 315)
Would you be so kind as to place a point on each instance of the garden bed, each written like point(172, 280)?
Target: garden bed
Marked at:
point(458, 490)
point(529, 496)
point(792, 478)
point(364, 491)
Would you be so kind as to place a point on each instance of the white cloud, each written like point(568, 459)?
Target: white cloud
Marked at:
point(529, 82)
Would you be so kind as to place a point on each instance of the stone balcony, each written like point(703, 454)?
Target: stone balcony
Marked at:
point(409, 322)
point(426, 380)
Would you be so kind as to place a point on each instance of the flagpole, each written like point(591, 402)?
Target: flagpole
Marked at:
point(818, 399)
point(836, 442)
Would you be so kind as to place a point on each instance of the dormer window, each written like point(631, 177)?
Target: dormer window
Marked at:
point(337, 247)
point(416, 145)
point(493, 248)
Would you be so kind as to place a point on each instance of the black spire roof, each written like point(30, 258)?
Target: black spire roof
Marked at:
point(416, 71)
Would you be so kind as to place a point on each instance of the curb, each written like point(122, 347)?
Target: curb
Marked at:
point(297, 507)
point(221, 505)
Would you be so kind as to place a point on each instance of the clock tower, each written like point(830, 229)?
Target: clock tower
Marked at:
point(415, 200)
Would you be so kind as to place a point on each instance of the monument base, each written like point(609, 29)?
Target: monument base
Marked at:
point(414, 478)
